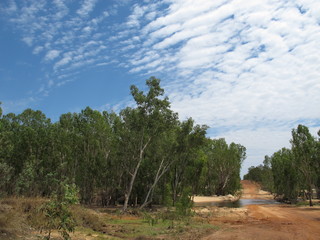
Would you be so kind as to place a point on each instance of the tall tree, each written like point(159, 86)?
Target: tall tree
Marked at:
point(224, 165)
point(304, 151)
point(141, 126)
point(187, 167)
point(285, 174)
point(159, 159)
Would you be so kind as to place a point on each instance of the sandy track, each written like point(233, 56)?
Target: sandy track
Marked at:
point(252, 191)
point(264, 222)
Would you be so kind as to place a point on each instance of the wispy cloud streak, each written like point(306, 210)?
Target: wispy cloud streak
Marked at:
point(239, 66)
point(64, 34)
point(256, 60)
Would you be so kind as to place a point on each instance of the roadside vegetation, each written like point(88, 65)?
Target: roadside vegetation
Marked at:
point(141, 157)
point(292, 174)
point(24, 218)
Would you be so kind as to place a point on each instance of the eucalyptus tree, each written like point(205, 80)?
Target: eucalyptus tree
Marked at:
point(285, 174)
point(141, 126)
point(224, 164)
point(305, 155)
point(159, 159)
point(262, 174)
point(112, 172)
point(30, 147)
point(187, 167)
point(67, 143)
point(8, 140)
point(6, 171)
point(94, 146)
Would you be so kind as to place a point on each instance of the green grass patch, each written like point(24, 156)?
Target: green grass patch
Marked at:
point(306, 203)
point(151, 227)
point(88, 232)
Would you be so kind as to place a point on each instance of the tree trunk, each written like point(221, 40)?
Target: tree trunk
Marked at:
point(161, 170)
point(133, 177)
point(175, 187)
point(128, 193)
point(310, 196)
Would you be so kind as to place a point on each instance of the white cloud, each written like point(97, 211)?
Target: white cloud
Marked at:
point(231, 64)
point(238, 65)
point(86, 7)
point(134, 18)
point(28, 40)
point(62, 9)
point(17, 105)
point(52, 54)
point(64, 61)
point(37, 50)
point(12, 7)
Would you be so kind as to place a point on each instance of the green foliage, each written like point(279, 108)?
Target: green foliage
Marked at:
point(71, 193)
point(151, 219)
point(6, 173)
point(286, 178)
point(295, 170)
point(142, 156)
point(185, 204)
point(57, 213)
point(223, 164)
point(305, 157)
point(262, 174)
point(26, 180)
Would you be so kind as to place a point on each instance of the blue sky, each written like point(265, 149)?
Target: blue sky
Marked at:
point(248, 69)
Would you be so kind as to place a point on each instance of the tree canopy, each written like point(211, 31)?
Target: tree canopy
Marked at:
point(292, 173)
point(140, 156)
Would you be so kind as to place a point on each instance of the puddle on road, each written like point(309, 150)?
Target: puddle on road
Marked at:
point(236, 204)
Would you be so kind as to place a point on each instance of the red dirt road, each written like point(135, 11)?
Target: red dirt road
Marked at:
point(264, 222)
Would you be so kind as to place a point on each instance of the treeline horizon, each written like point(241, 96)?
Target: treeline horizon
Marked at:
point(143, 155)
point(292, 173)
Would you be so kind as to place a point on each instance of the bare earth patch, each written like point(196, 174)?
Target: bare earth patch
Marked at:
point(266, 221)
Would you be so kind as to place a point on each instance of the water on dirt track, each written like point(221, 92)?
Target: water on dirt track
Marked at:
point(237, 204)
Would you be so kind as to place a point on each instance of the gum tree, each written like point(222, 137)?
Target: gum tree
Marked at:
point(304, 151)
point(141, 126)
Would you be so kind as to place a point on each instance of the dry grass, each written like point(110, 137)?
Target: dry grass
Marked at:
point(19, 216)
point(88, 218)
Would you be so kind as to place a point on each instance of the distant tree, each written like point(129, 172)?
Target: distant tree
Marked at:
point(254, 174)
point(318, 164)
point(224, 165)
point(304, 152)
point(262, 174)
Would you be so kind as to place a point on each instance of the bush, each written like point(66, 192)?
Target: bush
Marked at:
point(5, 176)
point(57, 213)
point(184, 205)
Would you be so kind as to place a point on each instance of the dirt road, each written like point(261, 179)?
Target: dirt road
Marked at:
point(264, 222)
